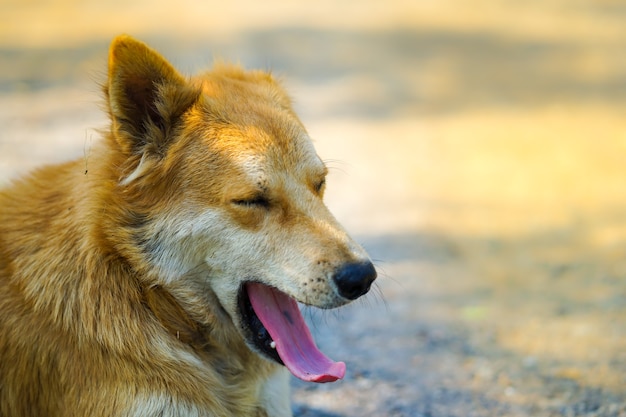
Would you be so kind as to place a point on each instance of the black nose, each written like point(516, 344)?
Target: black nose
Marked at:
point(354, 279)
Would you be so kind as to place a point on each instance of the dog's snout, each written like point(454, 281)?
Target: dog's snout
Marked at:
point(354, 279)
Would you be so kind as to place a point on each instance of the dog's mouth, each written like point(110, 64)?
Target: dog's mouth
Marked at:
point(274, 326)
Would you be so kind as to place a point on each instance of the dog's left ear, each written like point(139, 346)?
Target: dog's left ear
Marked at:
point(146, 96)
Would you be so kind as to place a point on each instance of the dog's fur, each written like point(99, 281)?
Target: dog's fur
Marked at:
point(119, 283)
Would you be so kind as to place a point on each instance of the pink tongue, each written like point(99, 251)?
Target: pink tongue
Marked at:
point(281, 316)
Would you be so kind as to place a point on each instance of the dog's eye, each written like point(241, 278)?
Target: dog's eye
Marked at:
point(319, 186)
point(256, 201)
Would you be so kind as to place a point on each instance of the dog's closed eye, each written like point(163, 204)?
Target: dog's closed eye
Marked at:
point(259, 201)
point(319, 186)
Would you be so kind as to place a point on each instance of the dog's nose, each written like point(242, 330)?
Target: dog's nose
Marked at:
point(354, 279)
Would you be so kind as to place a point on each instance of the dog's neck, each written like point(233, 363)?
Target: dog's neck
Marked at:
point(208, 331)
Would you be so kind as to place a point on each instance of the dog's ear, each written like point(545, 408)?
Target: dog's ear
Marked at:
point(146, 96)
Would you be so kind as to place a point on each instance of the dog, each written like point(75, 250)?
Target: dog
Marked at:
point(164, 280)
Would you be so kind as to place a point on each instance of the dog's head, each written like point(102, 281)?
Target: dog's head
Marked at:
point(217, 174)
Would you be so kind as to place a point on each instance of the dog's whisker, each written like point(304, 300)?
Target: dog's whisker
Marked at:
point(332, 165)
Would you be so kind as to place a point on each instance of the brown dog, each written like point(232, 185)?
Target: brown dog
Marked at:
point(164, 281)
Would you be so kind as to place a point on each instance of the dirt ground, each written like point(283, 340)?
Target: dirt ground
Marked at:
point(477, 150)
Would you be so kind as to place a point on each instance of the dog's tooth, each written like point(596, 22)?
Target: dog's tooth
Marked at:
point(273, 345)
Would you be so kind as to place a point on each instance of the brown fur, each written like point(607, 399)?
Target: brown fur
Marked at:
point(113, 282)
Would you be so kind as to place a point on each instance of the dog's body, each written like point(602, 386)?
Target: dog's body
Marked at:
point(160, 281)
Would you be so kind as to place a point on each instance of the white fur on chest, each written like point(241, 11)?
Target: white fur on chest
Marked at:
point(274, 399)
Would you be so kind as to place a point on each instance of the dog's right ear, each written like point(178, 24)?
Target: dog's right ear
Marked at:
point(146, 96)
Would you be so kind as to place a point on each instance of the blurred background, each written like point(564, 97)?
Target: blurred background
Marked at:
point(477, 149)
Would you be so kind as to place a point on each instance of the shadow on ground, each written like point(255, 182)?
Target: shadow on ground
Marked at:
point(482, 327)
point(388, 73)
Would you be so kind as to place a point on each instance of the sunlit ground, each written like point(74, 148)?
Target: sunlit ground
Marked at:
point(477, 149)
